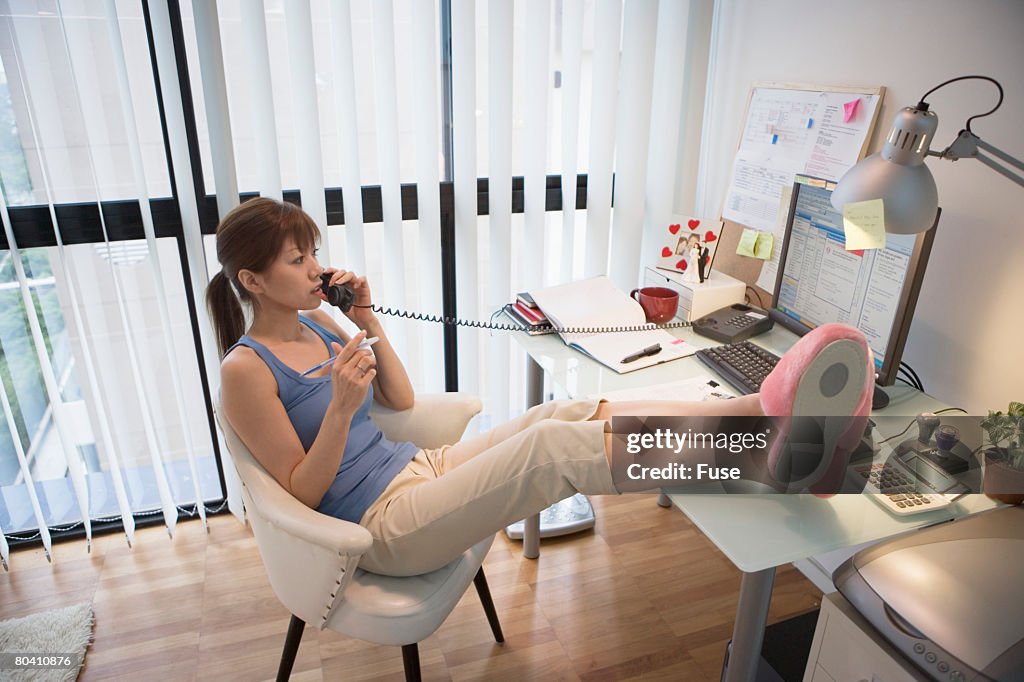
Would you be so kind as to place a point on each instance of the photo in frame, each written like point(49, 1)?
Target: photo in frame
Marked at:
point(686, 244)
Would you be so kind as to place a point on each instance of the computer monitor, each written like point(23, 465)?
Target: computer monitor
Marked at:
point(819, 281)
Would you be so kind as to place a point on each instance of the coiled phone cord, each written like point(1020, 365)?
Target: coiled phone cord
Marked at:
point(541, 329)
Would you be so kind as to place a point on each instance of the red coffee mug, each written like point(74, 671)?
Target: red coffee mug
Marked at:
point(659, 303)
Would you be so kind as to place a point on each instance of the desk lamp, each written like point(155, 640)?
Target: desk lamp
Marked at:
point(897, 174)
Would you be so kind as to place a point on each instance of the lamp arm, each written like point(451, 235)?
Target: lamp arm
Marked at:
point(966, 146)
point(1001, 154)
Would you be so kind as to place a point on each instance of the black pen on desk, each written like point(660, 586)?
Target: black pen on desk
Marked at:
point(650, 350)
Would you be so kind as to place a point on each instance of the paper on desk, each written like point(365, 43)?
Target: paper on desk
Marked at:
point(609, 349)
point(595, 303)
point(864, 224)
point(695, 389)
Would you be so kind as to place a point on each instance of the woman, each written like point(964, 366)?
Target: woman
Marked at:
point(314, 436)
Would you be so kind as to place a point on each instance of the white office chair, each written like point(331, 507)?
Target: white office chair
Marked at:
point(311, 558)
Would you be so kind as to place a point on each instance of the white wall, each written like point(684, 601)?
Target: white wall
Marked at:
point(967, 334)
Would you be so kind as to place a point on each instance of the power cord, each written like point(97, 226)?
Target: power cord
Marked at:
point(757, 295)
point(909, 371)
point(924, 105)
point(907, 382)
point(942, 411)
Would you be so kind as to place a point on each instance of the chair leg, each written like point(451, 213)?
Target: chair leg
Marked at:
point(480, 580)
point(411, 661)
point(291, 647)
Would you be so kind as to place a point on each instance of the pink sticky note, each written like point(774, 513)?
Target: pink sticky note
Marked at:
point(850, 109)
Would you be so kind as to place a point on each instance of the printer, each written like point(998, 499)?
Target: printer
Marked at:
point(949, 597)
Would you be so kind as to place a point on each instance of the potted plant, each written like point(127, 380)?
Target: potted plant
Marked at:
point(1004, 458)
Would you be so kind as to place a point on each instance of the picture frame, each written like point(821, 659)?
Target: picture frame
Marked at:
point(679, 235)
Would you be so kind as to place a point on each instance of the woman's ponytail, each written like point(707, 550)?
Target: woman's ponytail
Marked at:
point(225, 311)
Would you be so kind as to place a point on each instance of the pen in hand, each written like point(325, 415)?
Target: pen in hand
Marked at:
point(646, 352)
point(365, 343)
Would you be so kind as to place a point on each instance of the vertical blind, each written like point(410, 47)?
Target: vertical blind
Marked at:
point(113, 424)
point(308, 96)
point(570, 89)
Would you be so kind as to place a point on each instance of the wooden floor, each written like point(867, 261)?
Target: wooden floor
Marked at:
point(644, 595)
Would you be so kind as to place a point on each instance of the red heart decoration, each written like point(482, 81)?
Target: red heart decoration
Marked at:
point(693, 224)
point(674, 228)
point(666, 252)
point(709, 236)
point(681, 265)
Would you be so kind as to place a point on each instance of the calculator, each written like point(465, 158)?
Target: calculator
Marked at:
point(903, 488)
point(895, 490)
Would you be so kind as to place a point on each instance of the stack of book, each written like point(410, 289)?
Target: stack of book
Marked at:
point(525, 311)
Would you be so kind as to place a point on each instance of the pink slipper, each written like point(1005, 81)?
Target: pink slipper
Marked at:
point(828, 374)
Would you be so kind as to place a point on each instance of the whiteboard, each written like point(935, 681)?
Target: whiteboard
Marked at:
point(813, 130)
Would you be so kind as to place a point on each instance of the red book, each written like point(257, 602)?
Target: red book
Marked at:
point(534, 315)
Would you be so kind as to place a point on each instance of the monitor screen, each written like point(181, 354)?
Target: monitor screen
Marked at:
point(820, 281)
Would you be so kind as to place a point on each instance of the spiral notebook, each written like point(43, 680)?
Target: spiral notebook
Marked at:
point(595, 303)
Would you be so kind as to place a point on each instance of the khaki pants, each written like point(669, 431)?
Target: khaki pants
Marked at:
point(446, 500)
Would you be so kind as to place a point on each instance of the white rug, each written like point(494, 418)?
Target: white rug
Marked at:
point(59, 631)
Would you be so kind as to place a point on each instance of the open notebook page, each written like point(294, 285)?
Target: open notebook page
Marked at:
point(595, 302)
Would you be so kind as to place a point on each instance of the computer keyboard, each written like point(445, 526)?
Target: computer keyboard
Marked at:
point(743, 365)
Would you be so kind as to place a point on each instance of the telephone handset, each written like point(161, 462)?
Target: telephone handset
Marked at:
point(734, 323)
point(343, 297)
point(340, 295)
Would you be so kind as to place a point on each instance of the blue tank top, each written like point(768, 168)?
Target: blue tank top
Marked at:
point(370, 460)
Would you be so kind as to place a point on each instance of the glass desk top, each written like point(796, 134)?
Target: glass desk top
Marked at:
point(756, 531)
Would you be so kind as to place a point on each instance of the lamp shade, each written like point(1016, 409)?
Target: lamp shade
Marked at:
point(897, 175)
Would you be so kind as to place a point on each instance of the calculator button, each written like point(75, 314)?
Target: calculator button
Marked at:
point(927, 501)
point(901, 505)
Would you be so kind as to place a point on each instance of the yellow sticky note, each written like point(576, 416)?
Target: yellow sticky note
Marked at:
point(864, 224)
point(763, 245)
point(748, 240)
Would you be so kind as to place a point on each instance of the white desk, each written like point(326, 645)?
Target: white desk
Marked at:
point(756, 532)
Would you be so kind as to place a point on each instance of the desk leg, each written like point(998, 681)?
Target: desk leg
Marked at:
point(534, 396)
point(748, 630)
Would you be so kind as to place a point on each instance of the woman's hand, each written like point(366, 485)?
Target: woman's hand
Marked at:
point(360, 316)
point(392, 387)
point(351, 375)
